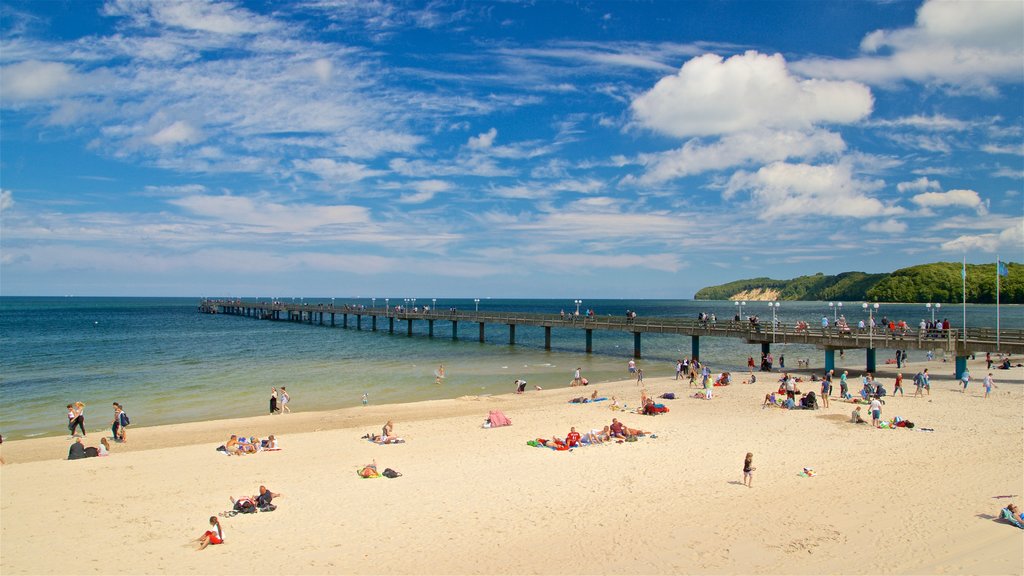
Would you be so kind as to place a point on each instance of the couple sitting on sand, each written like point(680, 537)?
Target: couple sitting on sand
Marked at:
point(260, 502)
point(79, 450)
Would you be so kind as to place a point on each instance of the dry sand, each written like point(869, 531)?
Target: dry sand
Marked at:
point(477, 501)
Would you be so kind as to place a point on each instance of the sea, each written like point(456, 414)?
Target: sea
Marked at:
point(168, 363)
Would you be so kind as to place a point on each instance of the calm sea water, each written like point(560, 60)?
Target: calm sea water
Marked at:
point(168, 363)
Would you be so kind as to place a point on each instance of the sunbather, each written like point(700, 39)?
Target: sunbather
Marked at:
point(1013, 515)
point(369, 471)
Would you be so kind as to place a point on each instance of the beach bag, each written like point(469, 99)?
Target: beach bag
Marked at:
point(631, 438)
point(124, 419)
point(389, 473)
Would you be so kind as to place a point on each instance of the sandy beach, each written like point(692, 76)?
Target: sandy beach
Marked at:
point(481, 501)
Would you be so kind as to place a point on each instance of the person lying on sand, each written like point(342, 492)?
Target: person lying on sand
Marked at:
point(596, 436)
point(369, 471)
point(620, 430)
point(1013, 515)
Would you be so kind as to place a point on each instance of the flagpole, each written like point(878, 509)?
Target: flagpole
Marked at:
point(963, 277)
point(998, 263)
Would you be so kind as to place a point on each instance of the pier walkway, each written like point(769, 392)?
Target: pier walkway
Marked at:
point(953, 342)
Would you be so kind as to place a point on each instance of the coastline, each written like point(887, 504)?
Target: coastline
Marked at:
point(480, 501)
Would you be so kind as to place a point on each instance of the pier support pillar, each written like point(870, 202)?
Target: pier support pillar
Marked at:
point(430, 328)
point(636, 345)
point(695, 347)
point(511, 334)
point(455, 329)
point(766, 347)
point(373, 323)
point(344, 320)
point(320, 318)
point(590, 340)
point(391, 324)
point(408, 327)
point(547, 337)
point(960, 366)
point(332, 319)
point(359, 321)
point(870, 354)
point(481, 331)
point(830, 359)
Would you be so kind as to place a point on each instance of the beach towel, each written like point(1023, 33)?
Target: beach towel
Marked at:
point(498, 419)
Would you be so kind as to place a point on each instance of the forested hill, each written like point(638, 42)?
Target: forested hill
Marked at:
point(938, 282)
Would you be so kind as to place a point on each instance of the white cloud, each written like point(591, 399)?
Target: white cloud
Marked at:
point(334, 171)
point(1015, 149)
point(179, 132)
point(959, 42)
point(891, 226)
point(710, 95)
point(920, 185)
point(484, 140)
point(1009, 240)
point(933, 123)
point(196, 15)
point(967, 198)
point(425, 191)
point(760, 146)
point(32, 79)
point(6, 200)
point(323, 68)
point(269, 216)
point(782, 189)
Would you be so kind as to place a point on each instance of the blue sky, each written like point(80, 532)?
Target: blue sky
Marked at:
point(325, 148)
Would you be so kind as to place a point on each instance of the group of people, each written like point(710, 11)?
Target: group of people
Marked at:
point(616, 431)
point(279, 403)
point(79, 450)
point(242, 445)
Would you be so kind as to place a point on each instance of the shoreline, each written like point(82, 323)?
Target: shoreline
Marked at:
point(372, 416)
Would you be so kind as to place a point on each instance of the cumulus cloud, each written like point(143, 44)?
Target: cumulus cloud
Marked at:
point(32, 79)
point(1008, 240)
point(959, 42)
point(781, 189)
point(920, 185)
point(485, 140)
point(710, 95)
point(760, 146)
point(966, 198)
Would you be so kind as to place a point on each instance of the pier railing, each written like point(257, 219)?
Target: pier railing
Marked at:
point(953, 341)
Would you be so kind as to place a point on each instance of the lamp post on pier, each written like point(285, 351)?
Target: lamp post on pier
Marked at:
point(373, 303)
point(433, 304)
point(871, 320)
point(740, 305)
point(578, 302)
point(933, 308)
point(413, 303)
point(476, 304)
point(836, 307)
point(774, 306)
point(387, 305)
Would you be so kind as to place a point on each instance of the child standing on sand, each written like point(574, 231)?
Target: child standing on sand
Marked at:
point(748, 470)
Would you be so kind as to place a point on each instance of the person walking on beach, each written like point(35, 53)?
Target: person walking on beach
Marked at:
point(285, 398)
point(366, 398)
point(965, 379)
point(844, 386)
point(750, 364)
point(631, 366)
point(987, 383)
point(76, 418)
point(748, 470)
point(679, 368)
point(898, 385)
point(826, 388)
point(273, 400)
point(639, 376)
point(577, 378)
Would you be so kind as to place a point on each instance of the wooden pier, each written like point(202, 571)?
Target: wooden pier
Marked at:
point(954, 342)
